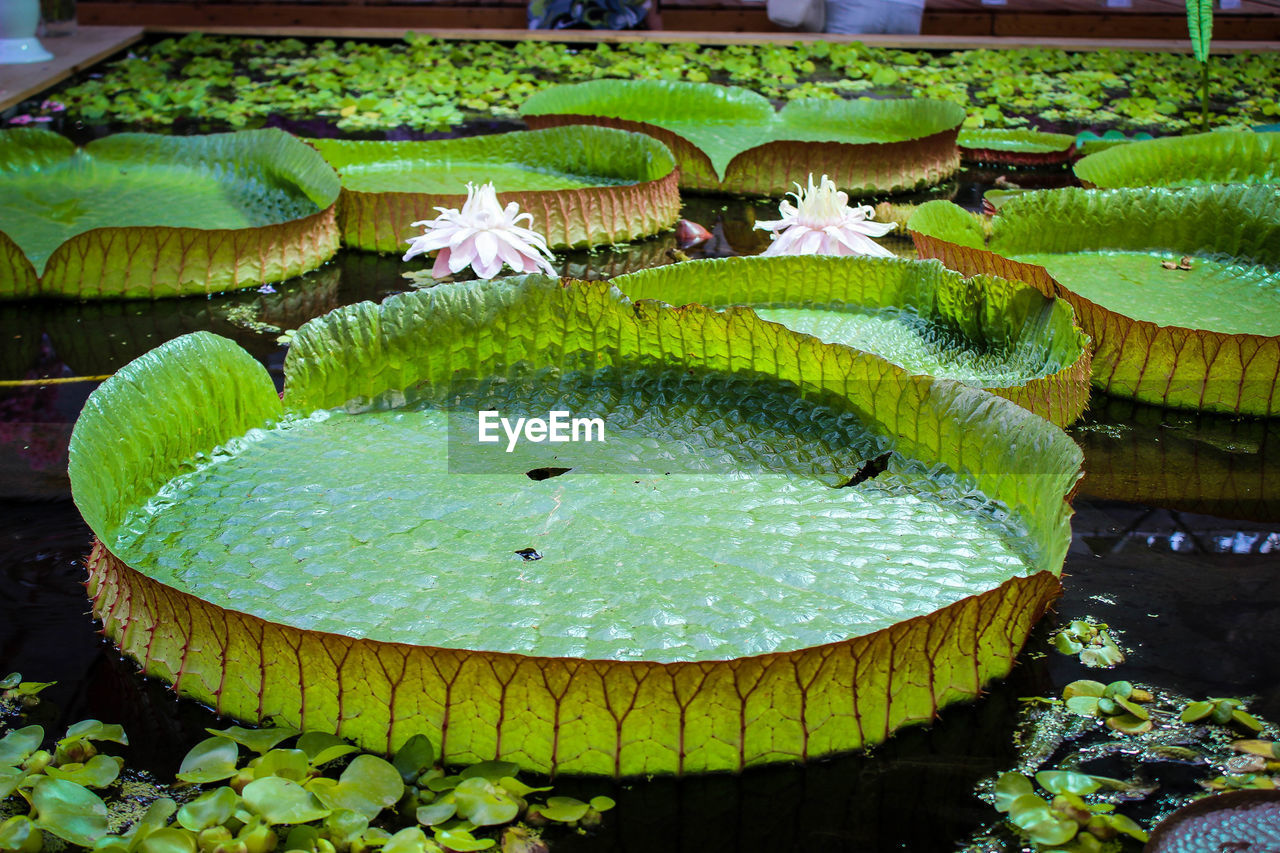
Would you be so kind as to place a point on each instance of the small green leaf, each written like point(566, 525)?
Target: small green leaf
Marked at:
point(1118, 690)
point(1247, 720)
point(99, 772)
point(1085, 706)
point(520, 789)
point(1052, 832)
point(283, 801)
point(70, 811)
point(1129, 724)
point(1108, 707)
point(368, 785)
point(1063, 643)
point(345, 826)
point(322, 747)
point(256, 740)
point(285, 763)
point(462, 841)
point(1028, 810)
point(483, 804)
point(1084, 688)
point(1067, 782)
point(563, 809)
point(17, 746)
point(1133, 708)
point(1120, 823)
point(20, 835)
point(10, 779)
point(10, 681)
point(212, 808)
point(410, 840)
point(1009, 787)
point(1196, 711)
point(416, 757)
point(168, 840)
point(491, 770)
point(443, 783)
point(602, 804)
point(211, 760)
point(95, 730)
point(437, 812)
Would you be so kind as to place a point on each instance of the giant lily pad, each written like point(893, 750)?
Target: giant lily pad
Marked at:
point(143, 216)
point(1221, 157)
point(724, 581)
point(732, 140)
point(1205, 338)
point(584, 186)
point(1016, 146)
point(984, 331)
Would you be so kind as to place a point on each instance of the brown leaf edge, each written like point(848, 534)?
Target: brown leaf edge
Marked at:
point(1001, 157)
point(694, 166)
point(615, 718)
point(157, 261)
point(590, 216)
point(862, 169)
point(1130, 357)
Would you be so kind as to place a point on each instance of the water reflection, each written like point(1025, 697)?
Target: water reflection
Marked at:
point(1213, 464)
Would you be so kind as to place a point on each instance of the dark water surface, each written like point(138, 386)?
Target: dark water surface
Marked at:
point(1176, 546)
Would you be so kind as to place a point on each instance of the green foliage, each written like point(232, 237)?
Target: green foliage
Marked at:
point(278, 795)
point(1118, 703)
point(1221, 711)
point(1200, 27)
point(427, 84)
point(1066, 822)
point(1090, 642)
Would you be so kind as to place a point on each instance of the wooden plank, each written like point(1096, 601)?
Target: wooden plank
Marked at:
point(87, 46)
point(174, 16)
point(267, 16)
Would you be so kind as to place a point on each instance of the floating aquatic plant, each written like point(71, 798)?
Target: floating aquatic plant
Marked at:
point(1221, 157)
point(985, 332)
point(545, 667)
point(730, 139)
point(1207, 338)
point(1118, 703)
point(1066, 821)
point(584, 186)
point(142, 216)
point(1091, 643)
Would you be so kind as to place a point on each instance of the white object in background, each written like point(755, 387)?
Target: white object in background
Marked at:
point(18, 42)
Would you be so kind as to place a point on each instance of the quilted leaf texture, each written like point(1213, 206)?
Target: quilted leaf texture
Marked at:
point(238, 619)
point(987, 332)
point(1206, 337)
point(142, 216)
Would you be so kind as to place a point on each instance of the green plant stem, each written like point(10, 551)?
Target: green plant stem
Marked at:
point(1204, 94)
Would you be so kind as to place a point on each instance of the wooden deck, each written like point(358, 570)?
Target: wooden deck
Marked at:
point(88, 46)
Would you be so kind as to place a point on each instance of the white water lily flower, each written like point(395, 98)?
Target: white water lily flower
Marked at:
point(482, 236)
point(821, 222)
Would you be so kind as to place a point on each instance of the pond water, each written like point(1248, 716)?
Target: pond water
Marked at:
point(1176, 544)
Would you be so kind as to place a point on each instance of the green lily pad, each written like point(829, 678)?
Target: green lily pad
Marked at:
point(16, 746)
point(729, 139)
point(1205, 338)
point(98, 772)
point(211, 760)
point(144, 216)
point(584, 186)
point(367, 786)
point(911, 587)
point(985, 332)
point(1221, 157)
point(1015, 146)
